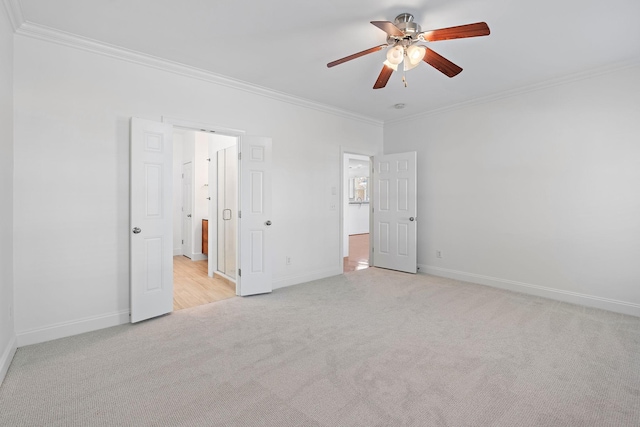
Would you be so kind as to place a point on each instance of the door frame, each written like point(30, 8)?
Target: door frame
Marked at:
point(187, 239)
point(218, 130)
point(345, 197)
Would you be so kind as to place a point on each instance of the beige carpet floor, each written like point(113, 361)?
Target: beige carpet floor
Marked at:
point(369, 348)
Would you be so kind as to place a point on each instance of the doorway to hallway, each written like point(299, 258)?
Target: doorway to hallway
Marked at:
point(356, 211)
point(358, 258)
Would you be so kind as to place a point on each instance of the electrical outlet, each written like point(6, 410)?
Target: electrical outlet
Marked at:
point(288, 260)
point(332, 206)
point(438, 253)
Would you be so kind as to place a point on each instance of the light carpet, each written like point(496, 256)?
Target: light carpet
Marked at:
point(368, 348)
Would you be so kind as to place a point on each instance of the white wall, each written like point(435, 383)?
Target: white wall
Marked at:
point(359, 218)
point(72, 112)
point(7, 337)
point(537, 192)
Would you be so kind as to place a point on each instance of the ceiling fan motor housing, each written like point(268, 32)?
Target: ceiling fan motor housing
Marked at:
point(405, 23)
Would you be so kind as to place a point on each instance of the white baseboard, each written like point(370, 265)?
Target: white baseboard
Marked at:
point(7, 357)
point(541, 291)
point(198, 257)
point(75, 327)
point(177, 251)
point(306, 277)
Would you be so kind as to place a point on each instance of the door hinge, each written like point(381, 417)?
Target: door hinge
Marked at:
point(239, 272)
point(239, 214)
point(239, 156)
point(183, 242)
point(182, 175)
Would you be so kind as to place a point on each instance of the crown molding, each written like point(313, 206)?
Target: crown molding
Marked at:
point(44, 33)
point(14, 13)
point(558, 81)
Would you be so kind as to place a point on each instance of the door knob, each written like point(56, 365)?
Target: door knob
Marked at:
point(136, 230)
point(268, 223)
point(189, 216)
point(412, 219)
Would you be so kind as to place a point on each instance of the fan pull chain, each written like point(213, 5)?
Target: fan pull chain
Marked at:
point(404, 68)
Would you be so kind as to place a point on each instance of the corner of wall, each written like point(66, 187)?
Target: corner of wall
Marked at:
point(75, 327)
point(539, 291)
point(8, 342)
point(7, 357)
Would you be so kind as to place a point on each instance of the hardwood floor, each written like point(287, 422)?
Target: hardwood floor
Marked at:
point(192, 286)
point(358, 258)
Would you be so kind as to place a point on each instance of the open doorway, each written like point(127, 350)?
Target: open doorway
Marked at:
point(357, 170)
point(205, 217)
point(152, 227)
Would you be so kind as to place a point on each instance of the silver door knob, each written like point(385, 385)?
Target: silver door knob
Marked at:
point(189, 216)
point(412, 219)
point(136, 230)
point(268, 223)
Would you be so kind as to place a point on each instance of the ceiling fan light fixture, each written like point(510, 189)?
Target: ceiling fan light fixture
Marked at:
point(415, 54)
point(394, 67)
point(395, 55)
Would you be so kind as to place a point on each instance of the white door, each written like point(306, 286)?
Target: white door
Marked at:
point(187, 209)
point(151, 253)
point(255, 238)
point(395, 212)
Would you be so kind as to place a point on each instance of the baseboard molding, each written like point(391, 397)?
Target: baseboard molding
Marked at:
point(75, 327)
point(198, 257)
point(7, 357)
point(177, 251)
point(283, 282)
point(541, 291)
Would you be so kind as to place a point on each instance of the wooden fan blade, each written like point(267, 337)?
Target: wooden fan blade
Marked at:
point(356, 55)
point(459, 32)
point(441, 63)
point(389, 28)
point(383, 78)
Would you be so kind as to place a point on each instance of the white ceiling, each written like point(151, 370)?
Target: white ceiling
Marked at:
point(284, 45)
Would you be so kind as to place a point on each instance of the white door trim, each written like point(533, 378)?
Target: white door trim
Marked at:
point(202, 127)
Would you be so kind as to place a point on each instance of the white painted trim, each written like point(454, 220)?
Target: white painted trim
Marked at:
point(198, 126)
point(283, 282)
point(7, 357)
point(48, 34)
point(74, 327)
point(521, 90)
point(541, 291)
point(229, 278)
point(198, 257)
point(14, 13)
point(177, 251)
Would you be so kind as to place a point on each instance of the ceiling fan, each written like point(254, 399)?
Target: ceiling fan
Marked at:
point(403, 36)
